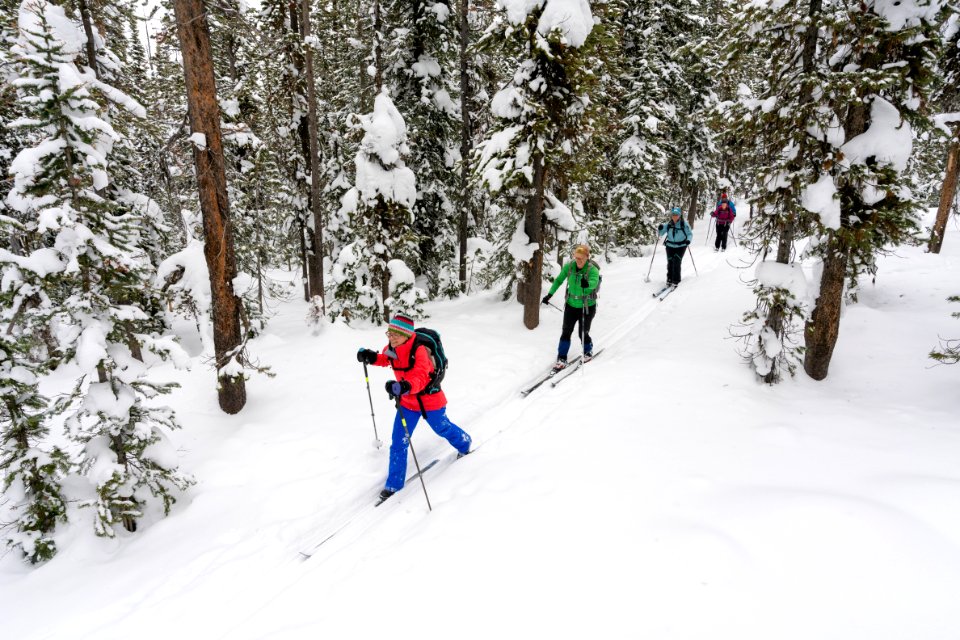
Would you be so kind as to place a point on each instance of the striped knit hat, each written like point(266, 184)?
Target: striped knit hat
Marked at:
point(401, 324)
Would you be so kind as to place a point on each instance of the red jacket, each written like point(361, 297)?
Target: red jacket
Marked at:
point(418, 376)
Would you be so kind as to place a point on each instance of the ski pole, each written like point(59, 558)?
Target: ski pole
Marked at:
point(583, 329)
point(693, 261)
point(707, 239)
point(647, 279)
point(406, 432)
point(376, 438)
point(733, 233)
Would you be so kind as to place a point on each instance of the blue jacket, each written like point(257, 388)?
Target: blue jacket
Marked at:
point(678, 235)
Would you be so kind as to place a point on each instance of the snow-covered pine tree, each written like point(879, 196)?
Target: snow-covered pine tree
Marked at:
point(87, 259)
point(582, 181)
point(881, 58)
point(778, 120)
point(10, 140)
point(543, 115)
point(640, 190)
point(692, 154)
point(371, 278)
point(31, 468)
point(422, 50)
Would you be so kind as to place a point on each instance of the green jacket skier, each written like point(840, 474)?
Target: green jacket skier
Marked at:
point(583, 279)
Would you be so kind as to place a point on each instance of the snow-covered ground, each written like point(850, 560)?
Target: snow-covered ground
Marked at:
point(663, 493)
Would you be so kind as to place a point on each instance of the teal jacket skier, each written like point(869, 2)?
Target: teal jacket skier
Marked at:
point(583, 279)
point(678, 236)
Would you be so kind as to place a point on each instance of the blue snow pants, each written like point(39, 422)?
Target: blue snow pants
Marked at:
point(441, 425)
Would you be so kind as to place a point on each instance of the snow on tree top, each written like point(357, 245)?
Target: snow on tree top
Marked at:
point(572, 18)
point(60, 27)
point(904, 15)
point(889, 138)
point(385, 139)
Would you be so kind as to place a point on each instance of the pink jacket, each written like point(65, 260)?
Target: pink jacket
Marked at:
point(723, 215)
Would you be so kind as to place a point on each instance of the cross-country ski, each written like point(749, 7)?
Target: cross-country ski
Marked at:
point(583, 364)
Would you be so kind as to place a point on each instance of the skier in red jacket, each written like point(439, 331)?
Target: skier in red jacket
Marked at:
point(412, 367)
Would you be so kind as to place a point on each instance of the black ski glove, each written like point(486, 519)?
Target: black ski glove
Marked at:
point(660, 228)
point(395, 388)
point(367, 356)
point(546, 299)
point(584, 282)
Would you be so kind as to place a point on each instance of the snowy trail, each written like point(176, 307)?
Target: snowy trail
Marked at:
point(662, 493)
point(357, 514)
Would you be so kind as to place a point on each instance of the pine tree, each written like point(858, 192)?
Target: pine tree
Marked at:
point(881, 64)
point(10, 140)
point(691, 150)
point(371, 279)
point(32, 469)
point(778, 120)
point(543, 117)
point(422, 52)
point(90, 263)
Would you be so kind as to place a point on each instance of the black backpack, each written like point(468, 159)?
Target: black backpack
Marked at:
point(599, 278)
point(430, 339)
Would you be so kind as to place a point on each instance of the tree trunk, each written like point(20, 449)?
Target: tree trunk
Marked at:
point(530, 285)
point(304, 259)
point(377, 49)
point(947, 196)
point(823, 328)
point(694, 196)
point(88, 31)
point(194, 36)
point(465, 140)
point(316, 283)
point(311, 252)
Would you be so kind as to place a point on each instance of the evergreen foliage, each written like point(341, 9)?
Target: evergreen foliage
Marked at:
point(543, 117)
point(87, 260)
point(422, 52)
point(949, 352)
point(370, 282)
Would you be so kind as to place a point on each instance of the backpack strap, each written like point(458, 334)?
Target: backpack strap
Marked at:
point(574, 272)
point(427, 390)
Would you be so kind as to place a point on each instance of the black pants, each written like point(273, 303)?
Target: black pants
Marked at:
point(674, 259)
point(722, 230)
point(571, 316)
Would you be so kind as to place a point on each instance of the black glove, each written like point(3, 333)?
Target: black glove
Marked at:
point(367, 356)
point(395, 388)
point(584, 282)
point(660, 228)
point(546, 299)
